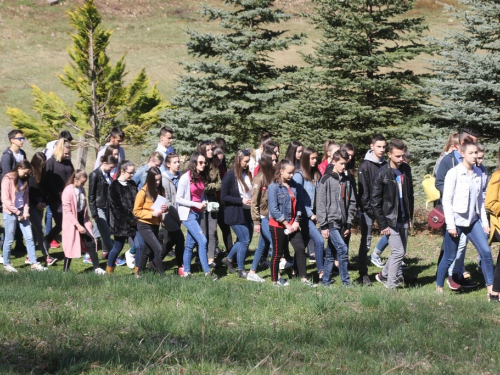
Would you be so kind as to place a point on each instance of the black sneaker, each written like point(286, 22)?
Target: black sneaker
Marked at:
point(367, 281)
point(381, 279)
point(229, 265)
point(465, 283)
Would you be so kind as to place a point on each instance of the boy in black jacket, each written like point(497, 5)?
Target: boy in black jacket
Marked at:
point(392, 205)
point(335, 209)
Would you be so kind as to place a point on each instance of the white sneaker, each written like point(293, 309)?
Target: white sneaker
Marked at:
point(38, 267)
point(100, 271)
point(1, 259)
point(130, 259)
point(285, 264)
point(255, 277)
point(9, 268)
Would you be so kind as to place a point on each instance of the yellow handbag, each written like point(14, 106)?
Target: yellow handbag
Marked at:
point(431, 193)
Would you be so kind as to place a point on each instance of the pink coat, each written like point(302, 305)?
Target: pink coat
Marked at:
point(9, 195)
point(72, 242)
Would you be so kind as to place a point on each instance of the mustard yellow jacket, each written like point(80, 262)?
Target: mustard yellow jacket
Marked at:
point(492, 204)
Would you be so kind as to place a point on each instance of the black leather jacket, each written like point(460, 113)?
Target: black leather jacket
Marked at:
point(98, 191)
point(385, 197)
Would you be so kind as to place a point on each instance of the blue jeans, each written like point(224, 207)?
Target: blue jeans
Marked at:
point(10, 223)
point(342, 256)
point(48, 220)
point(381, 245)
point(475, 234)
point(195, 236)
point(101, 229)
point(117, 248)
point(313, 233)
point(138, 246)
point(244, 234)
point(458, 265)
point(264, 243)
point(36, 217)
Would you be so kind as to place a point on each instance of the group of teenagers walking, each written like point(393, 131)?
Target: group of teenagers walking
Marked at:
point(298, 201)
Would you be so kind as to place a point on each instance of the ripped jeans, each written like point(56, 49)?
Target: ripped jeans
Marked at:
point(195, 236)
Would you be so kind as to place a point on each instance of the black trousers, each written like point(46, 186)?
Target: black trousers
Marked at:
point(280, 246)
point(149, 233)
point(171, 239)
point(56, 229)
point(496, 276)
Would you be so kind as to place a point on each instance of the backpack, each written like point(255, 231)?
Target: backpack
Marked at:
point(431, 193)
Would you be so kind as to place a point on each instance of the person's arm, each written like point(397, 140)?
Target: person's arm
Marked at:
point(227, 184)
point(306, 199)
point(377, 200)
point(351, 210)
point(450, 182)
point(364, 190)
point(93, 193)
point(7, 200)
point(321, 203)
point(256, 197)
point(182, 190)
point(214, 186)
point(26, 207)
point(5, 162)
point(492, 203)
point(139, 211)
point(444, 167)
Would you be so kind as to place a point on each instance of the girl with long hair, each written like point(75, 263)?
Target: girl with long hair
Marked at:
point(212, 181)
point(122, 222)
point(294, 152)
point(260, 210)
point(237, 195)
point(149, 220)
point(15, 201)
point(285, 211)
point(191, 201)
point(76, 226)
point(308, 177)
point(59, 170)
point(464, 211)
point(38, 202)
point(328, 156)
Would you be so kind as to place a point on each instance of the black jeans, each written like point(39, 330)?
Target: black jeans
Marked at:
point(227, 237)
point(496, 276)
point(280, 246)
point(171, 239)
point(149, 233)
point(56, 229)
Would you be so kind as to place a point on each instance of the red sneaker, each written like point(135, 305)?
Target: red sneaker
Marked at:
point(54, 244)
point(181, 271)
point(453, 285)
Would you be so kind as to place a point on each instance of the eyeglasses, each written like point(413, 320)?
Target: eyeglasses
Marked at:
point(244, 152)
point(202, 162)
point(20, 138)
point(130, 173)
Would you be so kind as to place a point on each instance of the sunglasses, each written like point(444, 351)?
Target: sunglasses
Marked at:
point(202, 162)
point(244, 152)
point(20, 138)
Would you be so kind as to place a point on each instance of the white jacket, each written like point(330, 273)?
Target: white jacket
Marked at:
point(183, 196)
point(457, 198)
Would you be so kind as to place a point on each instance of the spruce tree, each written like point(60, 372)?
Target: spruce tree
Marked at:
point(355, 84)
point(233, 90)
point(103, 99)
point(466, 84)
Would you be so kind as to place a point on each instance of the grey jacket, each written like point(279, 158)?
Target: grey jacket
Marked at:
point(335, 202)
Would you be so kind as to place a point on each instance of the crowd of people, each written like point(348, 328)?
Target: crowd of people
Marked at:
point(300, 200)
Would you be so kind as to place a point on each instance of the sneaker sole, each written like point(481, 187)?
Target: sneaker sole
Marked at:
point(380, 280)
point(452, 288)
point(376, 264)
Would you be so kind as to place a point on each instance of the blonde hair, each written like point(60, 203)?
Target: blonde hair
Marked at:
point(453, 140)
point(59, 149)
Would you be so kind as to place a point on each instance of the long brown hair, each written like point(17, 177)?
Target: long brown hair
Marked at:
point(193, 162)
point(309, 173)
point(23, 164)
point(79, 173)
point(210, 168)
point(38, 162)
point(151, 190)
point(238, 172)
point(266, 167)
point(279, 167)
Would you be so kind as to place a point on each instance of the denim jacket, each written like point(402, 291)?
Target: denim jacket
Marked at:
point(280, 203)
point(309, 192)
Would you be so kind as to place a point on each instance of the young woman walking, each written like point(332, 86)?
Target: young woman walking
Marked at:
point(285, 211)
point(237, 195)
point(149, 220)
point(76, 225)
point(191, 201)
point(38, 202)
point(464, 210)
point(294, 153)
point(122, 222)
point(15, 202)
point(308, 177)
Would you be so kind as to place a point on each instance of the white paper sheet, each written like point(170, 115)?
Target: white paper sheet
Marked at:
point(160, 200)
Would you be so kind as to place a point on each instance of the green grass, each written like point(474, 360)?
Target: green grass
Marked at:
point(83, 323)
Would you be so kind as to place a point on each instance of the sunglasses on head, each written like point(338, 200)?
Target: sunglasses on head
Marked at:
point(244, 152)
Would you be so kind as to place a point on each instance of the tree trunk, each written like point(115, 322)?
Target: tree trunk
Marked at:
point(81, 154)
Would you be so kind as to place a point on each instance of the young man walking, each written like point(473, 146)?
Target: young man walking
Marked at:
point(374, 160)
point(392, 205)
point(165, 145)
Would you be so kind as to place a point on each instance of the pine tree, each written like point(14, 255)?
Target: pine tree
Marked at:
point(103, 99)
point(355, 85)
point(466, 81)
point(234, 89)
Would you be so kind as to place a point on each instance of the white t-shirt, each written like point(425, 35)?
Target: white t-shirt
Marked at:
point(245, 194)
point(80, 199)
point(19, 157)
point(19, 203)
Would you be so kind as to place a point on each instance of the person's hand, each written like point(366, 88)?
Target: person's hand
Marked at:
point(411, 224)
point(289, 227)
point(487, 230)
point(81, 229)
point(157, 213)
point(247, 202)
point(453, 232)
point(347, 232)
point(386, 231)
point(41, 206)
point(295, 226)
point(325, 233)
point(164, 208)
point(314, 219)
point(256, 228)
point(201, 205)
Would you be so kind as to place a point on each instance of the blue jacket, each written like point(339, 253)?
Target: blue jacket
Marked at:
point(280, 203)
point(140, 176)
point(309, 192)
